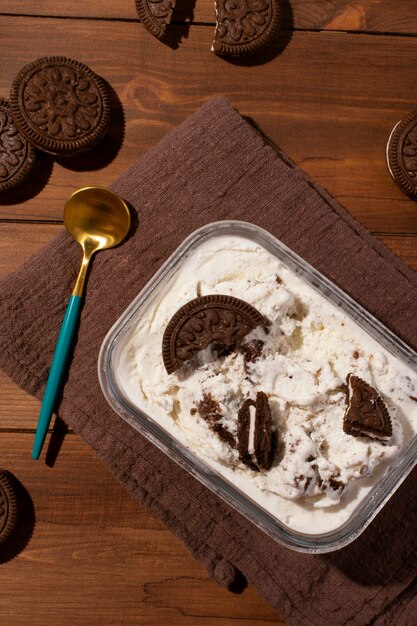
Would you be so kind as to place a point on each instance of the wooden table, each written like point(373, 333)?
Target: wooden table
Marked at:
point(328, 94)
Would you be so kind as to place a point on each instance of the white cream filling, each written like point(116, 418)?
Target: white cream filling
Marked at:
point(251, 438)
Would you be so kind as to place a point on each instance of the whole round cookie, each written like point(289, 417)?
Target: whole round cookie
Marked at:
point(60, 105)
point(17, 156)
point(8, 506)
point(402, 154)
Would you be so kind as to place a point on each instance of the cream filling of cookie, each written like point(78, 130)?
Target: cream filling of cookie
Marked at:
point(251, 437)
point(319, 473)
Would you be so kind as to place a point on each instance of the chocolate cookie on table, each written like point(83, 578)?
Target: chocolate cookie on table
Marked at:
point(8, 506)
point(17, 156)
point(244, 27)
point(402, 154)
point(155, 15)
point(60, 105)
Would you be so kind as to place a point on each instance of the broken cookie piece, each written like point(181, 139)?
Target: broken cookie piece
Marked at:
point(254, 433)
point(245, 26)
point(155, 15)
point(366, 413)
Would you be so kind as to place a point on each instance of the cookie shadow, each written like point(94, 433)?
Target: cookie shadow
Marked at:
point(276, 47)
point(36, 180)
point(383, 551)
point(21, 535)
point(181, 20)
point(107, 150)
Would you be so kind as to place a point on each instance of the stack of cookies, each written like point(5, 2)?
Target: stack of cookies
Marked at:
point(57, 105)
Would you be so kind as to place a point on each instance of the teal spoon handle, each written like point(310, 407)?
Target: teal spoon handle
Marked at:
point(57, 371)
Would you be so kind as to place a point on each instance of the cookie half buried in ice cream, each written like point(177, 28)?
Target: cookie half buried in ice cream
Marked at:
point(213, 319)
point(254, 433)
point(366, 414)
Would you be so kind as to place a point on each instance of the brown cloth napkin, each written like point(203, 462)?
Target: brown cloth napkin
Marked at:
point(217, 166)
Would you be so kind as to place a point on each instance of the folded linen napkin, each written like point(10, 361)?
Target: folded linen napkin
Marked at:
point(217, 166)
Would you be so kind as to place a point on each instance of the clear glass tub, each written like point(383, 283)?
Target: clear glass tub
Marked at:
point(385, 482)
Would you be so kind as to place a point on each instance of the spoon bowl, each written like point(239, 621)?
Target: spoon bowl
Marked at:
point(97, 219)
point(96, 215)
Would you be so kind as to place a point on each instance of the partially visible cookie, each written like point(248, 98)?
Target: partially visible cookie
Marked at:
point(60, 105)
point(245, 26)
point(402, 154)
point(254, 433)
point(214, 319)
point(17, 156)
point(155, 15)
point(8, 506)
point(366, 413)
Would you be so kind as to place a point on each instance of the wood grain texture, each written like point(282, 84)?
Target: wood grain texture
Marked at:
point(95, 557)
point(380, 16)
point(333, 118)
point(328, 95)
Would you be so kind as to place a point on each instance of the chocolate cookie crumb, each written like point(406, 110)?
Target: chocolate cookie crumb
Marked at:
point(253, 350)
point(209, 409)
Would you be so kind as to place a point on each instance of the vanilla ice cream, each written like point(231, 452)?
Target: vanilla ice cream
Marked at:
point(319, 474)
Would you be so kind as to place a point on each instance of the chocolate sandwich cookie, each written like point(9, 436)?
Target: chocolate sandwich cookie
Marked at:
point(60, 105)
point(8, 506)
point(402, 154)
point(155, 15)
point(245, 26)
point(254, 433)
point(17, 156)
point(366, 414)
point(214, 319)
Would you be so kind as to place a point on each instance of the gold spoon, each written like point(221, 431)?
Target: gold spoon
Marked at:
point(97, 219)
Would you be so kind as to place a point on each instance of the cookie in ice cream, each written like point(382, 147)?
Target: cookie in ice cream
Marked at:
point(254, 433)
point(366, 413)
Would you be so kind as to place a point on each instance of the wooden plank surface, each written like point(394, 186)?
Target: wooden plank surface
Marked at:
point(333, 120)
point(389, 16)
point(93, 556)
point(328, 95)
